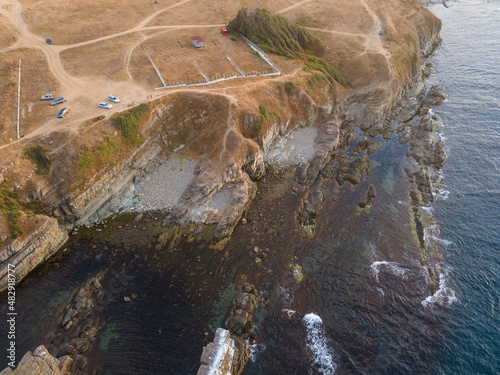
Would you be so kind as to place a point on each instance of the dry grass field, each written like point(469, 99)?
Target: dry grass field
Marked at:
point(69, 22)
point(109, 58)
point(173, 54)
point(340, 15)
point(205, 12)
point(97, 50)
point(36, 80)
point(8, 36)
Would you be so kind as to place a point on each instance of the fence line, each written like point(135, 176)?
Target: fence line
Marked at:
point(215, 79)
point(261, 53)
point(241, 73)
point(236, 66)
point(201, 71)
point(154, 66)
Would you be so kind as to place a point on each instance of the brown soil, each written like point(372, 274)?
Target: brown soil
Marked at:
point(109, 58)
point(69, 22)
point(8, 36)
point(97, 52)
point(36, 80)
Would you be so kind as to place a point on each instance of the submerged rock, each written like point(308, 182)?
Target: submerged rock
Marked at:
point(370, 196)
point(352, 170)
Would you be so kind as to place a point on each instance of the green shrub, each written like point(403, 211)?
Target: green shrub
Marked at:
point(36, 154)
point(105, 150)
point(14, 229)
point(289, 86)
point(9, 205)
point(128, 124)
point(316, 79)
point(274, 33)
point(318, 64)
point(266, 115)
point(107, 147)
point(11, 84)
point(85, 159)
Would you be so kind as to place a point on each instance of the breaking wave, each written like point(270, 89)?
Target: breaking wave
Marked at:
point(393, 267)
point(324, 359)
point(444, 296)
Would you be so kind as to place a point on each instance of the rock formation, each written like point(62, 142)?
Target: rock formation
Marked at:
point(40, 362)
point(229, 351)
point(25, 253)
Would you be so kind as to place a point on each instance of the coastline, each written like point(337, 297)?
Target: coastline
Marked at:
point(216, 201)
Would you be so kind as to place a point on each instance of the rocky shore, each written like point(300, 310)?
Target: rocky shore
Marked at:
point(192, 190)
point(229, 352)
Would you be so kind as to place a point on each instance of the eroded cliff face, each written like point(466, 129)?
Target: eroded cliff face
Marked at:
point(230, 138)
point(22, 255)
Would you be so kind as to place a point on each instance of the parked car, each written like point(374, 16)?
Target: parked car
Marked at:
point(58, 100)
point(49, 41)
point(105, 105)
point(62, 112)
point(224, 31)
point(114, 98)
point(47, 97)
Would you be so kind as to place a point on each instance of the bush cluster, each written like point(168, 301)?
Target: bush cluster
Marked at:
point(274, 33)
point(128, 124)
point(9, 205)
point(36, 154)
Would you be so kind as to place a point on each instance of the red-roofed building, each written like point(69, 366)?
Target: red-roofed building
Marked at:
point(197, 41)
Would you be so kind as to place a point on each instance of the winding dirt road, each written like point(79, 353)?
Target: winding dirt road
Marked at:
point(83, 92)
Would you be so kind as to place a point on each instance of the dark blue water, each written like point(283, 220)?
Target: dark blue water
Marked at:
point(469, 65)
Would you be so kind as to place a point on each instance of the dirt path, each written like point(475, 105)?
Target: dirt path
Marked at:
point(82, 92)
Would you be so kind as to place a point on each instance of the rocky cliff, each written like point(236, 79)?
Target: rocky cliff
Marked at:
point(24, 254)
point(40, 362)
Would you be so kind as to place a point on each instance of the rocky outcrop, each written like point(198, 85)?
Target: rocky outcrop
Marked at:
point(79, 325)
point(370, 196)
point(367, 144)
point(325, 146)
point(351, 169)
point(229, 351)
point(25, 254)
point(426, 147)
point(240, 321)
point(219, 356)
point(40, 362)
point(105, 193)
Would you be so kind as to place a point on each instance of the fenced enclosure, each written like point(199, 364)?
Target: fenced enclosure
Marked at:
point(275, 71)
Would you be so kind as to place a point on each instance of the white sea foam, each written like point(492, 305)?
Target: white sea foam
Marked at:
point(288, 312)
point(393, 267)
point(255, 351)
point(444, 296)
point(429, 209)
point(287, 294)
point(441, 194)
point(324, 359)
point(225, 349)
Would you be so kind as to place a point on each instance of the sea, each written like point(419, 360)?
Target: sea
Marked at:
point(353, 299)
